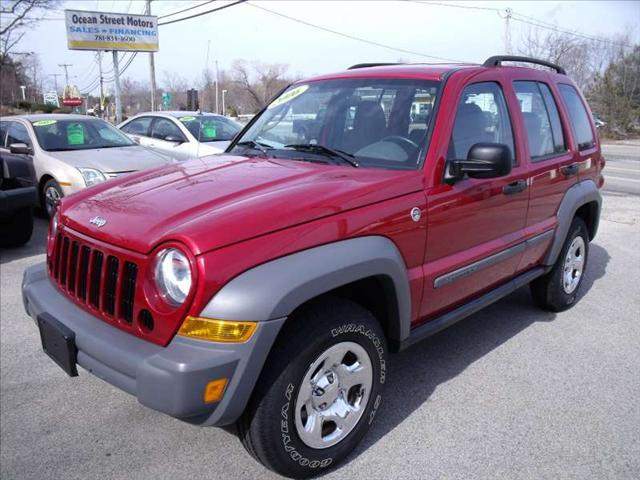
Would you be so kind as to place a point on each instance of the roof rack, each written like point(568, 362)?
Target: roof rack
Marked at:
point(367, 65)
point(498, 59)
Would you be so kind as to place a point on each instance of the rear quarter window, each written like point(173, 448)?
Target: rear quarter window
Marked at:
point(578, 116)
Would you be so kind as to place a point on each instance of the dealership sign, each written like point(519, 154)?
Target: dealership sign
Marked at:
point(111, 31)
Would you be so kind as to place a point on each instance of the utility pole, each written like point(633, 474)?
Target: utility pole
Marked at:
point(66, 71)
point(152, 69)
point(99, 55)
point(116, 73)
point(55, 80)
point(217, 82)
point(507, 31)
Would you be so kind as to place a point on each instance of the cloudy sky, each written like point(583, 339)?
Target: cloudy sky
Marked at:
point(464, 31)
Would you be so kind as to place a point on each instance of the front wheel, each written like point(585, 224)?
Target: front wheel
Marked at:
point(51, 195)
point(319, 392)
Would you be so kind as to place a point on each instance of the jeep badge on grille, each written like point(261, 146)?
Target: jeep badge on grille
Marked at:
point(98, 221)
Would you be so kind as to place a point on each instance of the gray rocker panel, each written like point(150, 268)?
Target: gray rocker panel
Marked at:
point(578, 195)
point(276, 288)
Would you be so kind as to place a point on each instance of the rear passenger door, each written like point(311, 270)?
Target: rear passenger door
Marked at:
point(474, 225)
point(552, 166)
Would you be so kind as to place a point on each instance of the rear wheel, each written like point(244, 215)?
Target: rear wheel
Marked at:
point(319, 392)
point(51, 195)
point(17, 229)
point(558, 290)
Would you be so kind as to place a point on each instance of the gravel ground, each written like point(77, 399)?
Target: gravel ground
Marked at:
point(510, 393)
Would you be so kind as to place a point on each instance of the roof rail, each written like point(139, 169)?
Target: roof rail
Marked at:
point(367, 65)
point(498, 59)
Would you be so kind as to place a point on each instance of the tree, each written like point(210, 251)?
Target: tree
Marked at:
point(581, 57)
point(18, 15)
point(616, 93)
point(256, 83)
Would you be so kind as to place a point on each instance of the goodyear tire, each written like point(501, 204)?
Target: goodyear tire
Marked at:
point(319, 391)
point(558, 289)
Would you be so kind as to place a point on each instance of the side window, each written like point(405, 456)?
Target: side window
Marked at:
point(578, 116)
point(163, 128)
point(482, 117)
point(139, 126)
point(541, 119)
point(17, 133)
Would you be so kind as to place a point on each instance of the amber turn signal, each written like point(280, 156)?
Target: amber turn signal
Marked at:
point(214, 390)
point(225, 331)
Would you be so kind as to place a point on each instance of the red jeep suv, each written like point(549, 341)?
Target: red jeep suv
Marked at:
point(357, 214)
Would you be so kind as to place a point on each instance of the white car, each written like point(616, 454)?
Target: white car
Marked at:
point(182, 135)
point(71, 152)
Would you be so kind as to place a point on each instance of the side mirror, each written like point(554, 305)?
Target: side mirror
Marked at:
point(484, 160)
point(173, 138)
point(21, 149)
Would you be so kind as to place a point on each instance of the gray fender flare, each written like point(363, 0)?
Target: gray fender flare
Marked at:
point(276, 288)
point(578, 195)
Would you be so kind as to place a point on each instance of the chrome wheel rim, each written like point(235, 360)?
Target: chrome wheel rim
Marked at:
point(573, 265)
point(52, 197)
point(333, 395)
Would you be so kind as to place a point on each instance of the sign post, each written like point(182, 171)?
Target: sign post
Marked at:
point(112, 31)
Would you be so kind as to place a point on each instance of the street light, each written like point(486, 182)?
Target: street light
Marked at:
point(224, 112)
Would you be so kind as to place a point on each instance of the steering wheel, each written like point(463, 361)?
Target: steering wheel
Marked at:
point(405, 143)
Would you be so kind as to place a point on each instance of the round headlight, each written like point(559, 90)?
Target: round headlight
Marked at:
point(173, 275)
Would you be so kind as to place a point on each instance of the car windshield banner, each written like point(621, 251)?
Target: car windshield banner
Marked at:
point(111, 31)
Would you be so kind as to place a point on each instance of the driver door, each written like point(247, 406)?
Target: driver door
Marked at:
point(475, 225)
point(163, 128)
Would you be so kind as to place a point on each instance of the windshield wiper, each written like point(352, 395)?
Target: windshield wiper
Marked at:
point(256, 146)
point(326, 151)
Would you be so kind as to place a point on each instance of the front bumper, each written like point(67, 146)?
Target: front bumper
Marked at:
point(169, 379)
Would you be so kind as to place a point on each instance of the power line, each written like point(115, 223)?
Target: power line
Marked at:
point(524, 19)
point(353, 37)
point(202, 13)
point(186, 9)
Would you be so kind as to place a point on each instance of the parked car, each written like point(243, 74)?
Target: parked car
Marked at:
point(71, 152)
point(183, 135)
point(17, 198)
point(267, 287)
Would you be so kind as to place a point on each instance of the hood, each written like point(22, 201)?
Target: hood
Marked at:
point(218, 200)
point(209, 148)
point(116, 159)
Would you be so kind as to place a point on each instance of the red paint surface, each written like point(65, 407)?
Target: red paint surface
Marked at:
point(233, 213)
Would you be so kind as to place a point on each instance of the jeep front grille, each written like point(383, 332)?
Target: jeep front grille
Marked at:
point(94, 277)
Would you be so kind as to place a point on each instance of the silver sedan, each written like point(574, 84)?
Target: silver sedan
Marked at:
point(182, 135)
point(71, 152)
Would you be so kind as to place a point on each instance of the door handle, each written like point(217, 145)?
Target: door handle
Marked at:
point(514, 187)
point(570, 170)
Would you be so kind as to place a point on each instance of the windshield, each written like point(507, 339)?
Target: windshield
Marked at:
point(211, 128)
point(374, 122)
point(73, 134)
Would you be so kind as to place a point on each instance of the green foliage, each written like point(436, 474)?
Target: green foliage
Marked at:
point(615, 95)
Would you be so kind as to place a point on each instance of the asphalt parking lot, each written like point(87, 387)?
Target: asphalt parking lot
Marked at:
point(510, 393)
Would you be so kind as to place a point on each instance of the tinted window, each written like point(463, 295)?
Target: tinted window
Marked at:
point(163, 128)
point(78, 134)
point(3, 132)
point(541, 119)
point(482, 117)
point(209, 128)
point(377, 122)
point(578, 116)
point(17, 133)
point(554, 117)
point(139, 126)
